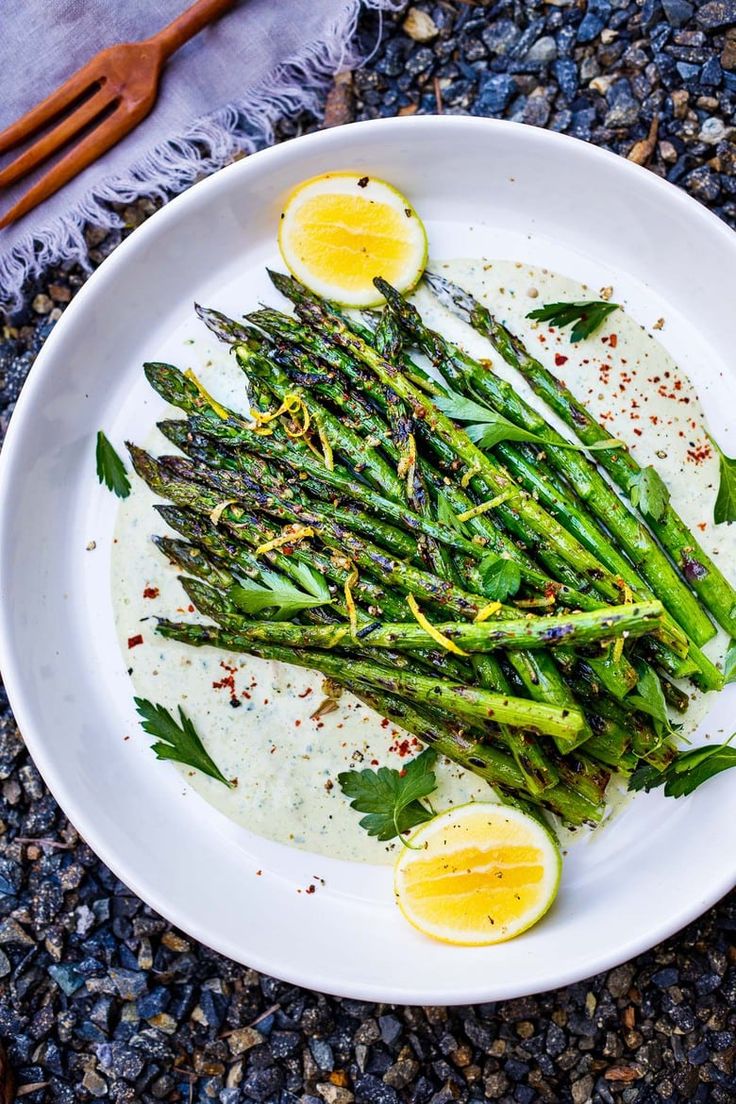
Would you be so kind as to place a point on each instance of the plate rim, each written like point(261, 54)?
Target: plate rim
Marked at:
point(11, 666)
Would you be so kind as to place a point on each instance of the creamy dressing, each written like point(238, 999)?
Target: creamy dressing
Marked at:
point(255, 717)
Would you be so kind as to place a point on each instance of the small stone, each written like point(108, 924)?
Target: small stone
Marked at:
point(334, 1094)
point(401, 1073)
point(716, 14)
point(500, 36)
point(590, 27)
point(728, 56)
point(678, 12)
point(667, 152)
point(608, 35)
point(175, 942)
point(339, 103)
point(542, 51)
point(42, 304)
point(420, 26)
point(623, 1073)
point(680, 98)
point(94, 1084)
point(601, 84)
point(164, 1022)
point(390, 1028)
point(495, 94)
point(59, 293)
point(619, 979)
point(623, 108)
point(243, 1039)
point(703, 184)
point(129, 983)
point(68, 978)
point(713, 131)
point(582, 1090)
point(566, 73)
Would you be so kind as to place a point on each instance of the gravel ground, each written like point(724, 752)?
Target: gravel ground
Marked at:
point(100, 997)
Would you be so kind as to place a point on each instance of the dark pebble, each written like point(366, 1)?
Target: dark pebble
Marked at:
point(716, 14)
point(494, 94)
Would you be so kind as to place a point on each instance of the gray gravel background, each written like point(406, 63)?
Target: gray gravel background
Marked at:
point(99, 997)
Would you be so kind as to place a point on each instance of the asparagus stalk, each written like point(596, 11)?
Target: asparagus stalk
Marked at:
point(564, 725)
point(581, 472)
point(537, 632)
point(332, 341)
point(701, 572)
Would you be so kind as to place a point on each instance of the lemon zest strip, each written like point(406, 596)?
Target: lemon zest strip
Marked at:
point(484, 507)
point(440, 638)
point(285, 538)
point(486, 612)
point(219, 410)
point(350, 582)
point(219, 509)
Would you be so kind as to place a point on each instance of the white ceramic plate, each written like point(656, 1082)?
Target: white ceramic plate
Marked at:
point(483, 188)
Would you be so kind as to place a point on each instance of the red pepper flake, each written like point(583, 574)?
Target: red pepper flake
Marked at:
point(227, 682)
point(702, 526)
point(613, 341)
point(259, 873)
point(604, 340)
point(560, 360)
point(698, 453)
point(306, 693)
point(374, 762)
point(385, 723)
point(150, 592)
point(134, 641)
point(638, 432)
point(310, 889)
point(297, 723)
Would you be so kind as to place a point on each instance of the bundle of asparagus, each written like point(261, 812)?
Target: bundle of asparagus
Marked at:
point(485, 589)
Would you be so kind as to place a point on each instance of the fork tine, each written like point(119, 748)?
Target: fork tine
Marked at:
point(109, 131)
point(56, 138)
point(44, 112)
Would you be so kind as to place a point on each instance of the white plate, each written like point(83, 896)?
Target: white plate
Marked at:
point(483, 187)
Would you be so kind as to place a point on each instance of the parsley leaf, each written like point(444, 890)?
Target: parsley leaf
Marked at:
point(312, 581)
point(178, 742)
point(584, 317)
point(489, 428)
point(110, 468)
point(390, 798)
point(279, 595)
point(725, 507)
point(649, 493)
point(649, 698)
point(447, 516)
point(729, 663)
point(688, 771)
point(501, 578)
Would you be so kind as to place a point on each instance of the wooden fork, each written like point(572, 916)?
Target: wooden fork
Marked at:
point(98, 104)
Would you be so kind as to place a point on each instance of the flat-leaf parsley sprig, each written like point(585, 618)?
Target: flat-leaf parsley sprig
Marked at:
point(488, 428)
point(392, 799)
point(688, 771)
point(110, 468)
point(584, 317)
point(179, 742)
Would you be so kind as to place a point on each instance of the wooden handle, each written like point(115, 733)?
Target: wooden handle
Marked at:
point(189, 23)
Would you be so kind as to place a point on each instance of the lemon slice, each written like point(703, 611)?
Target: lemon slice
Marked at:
point(339, 230)
point(478, 874)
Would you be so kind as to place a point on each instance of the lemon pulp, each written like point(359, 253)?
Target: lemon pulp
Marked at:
point(477, 874)
point(340, 230)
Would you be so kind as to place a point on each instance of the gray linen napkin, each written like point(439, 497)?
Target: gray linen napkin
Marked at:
point(221, 93)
